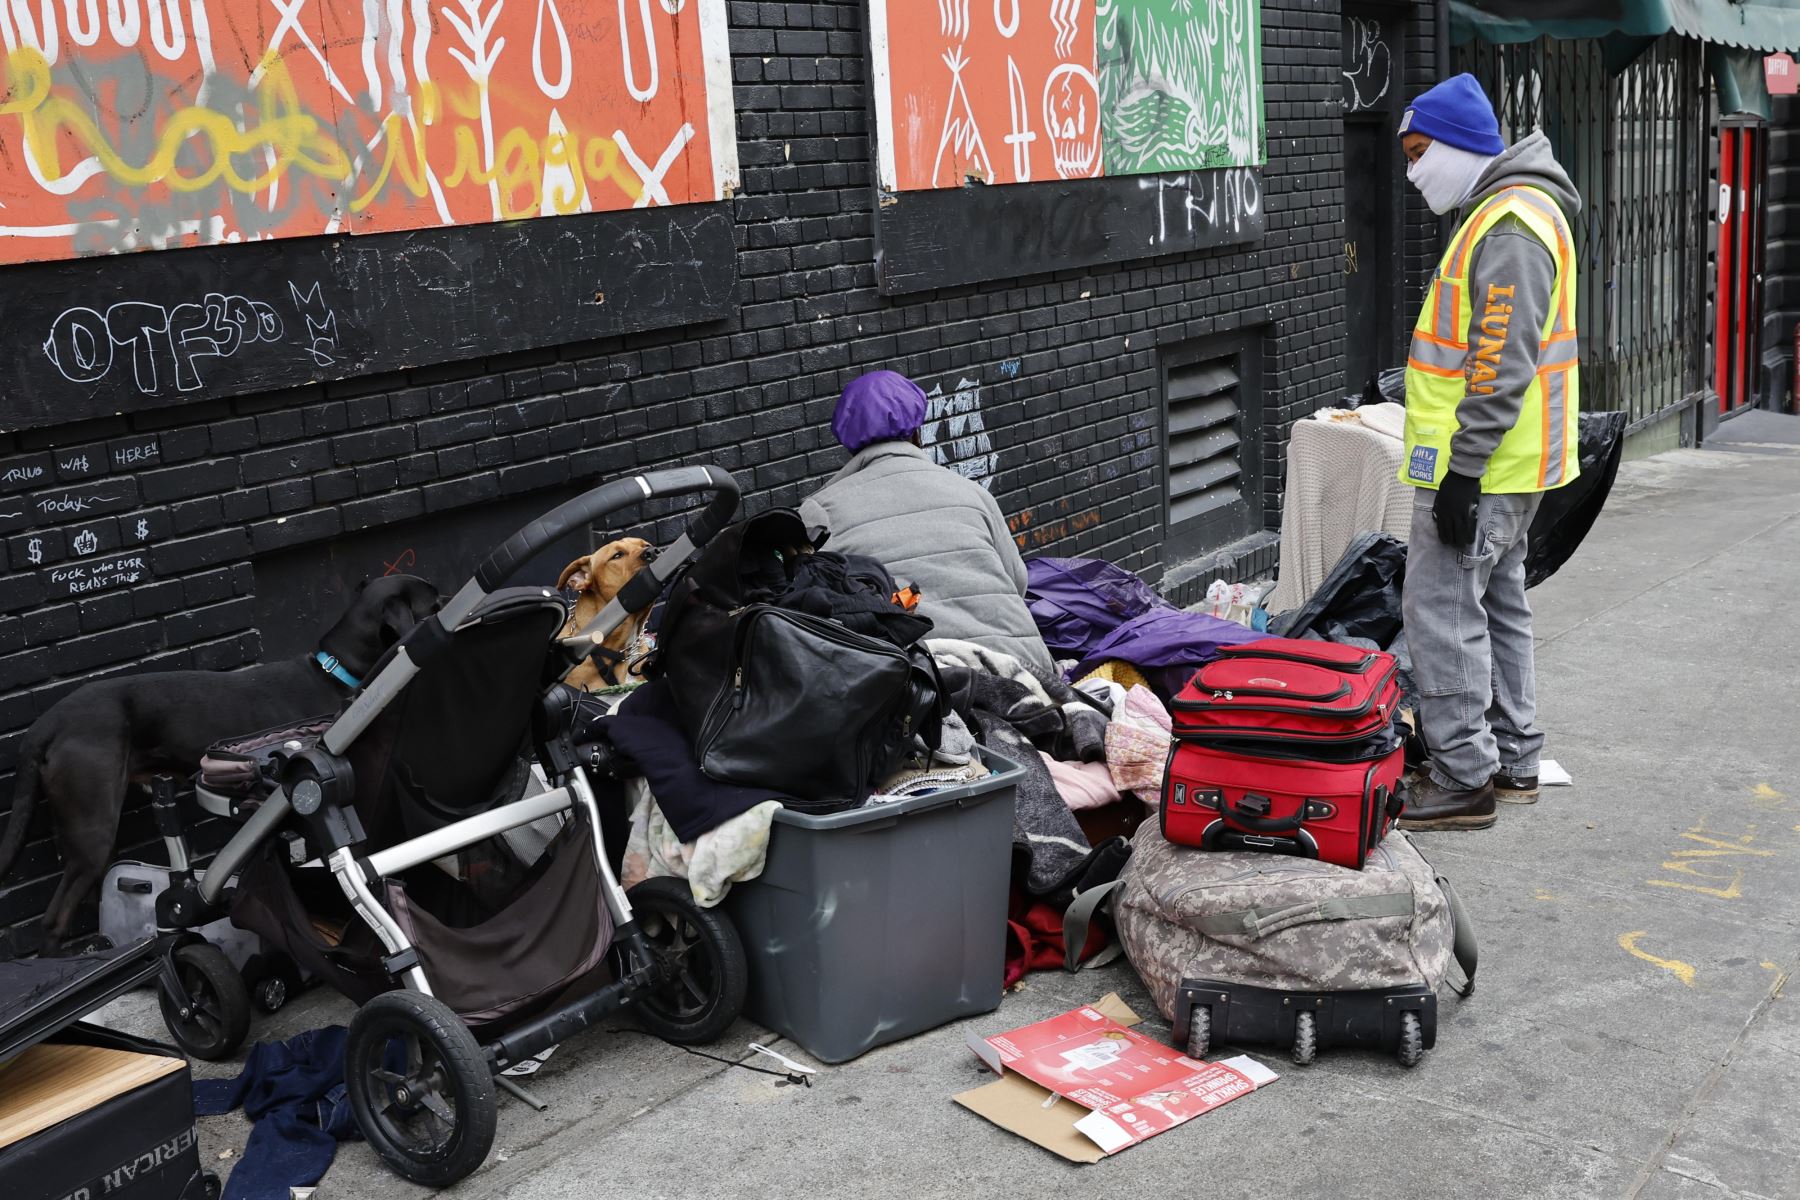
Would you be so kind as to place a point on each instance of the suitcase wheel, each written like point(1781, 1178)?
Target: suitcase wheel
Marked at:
point(1199, 1031)
point(1306, 1039)
point(1412, 1040)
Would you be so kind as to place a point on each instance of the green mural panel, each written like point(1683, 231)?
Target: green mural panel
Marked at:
point(1180, 84)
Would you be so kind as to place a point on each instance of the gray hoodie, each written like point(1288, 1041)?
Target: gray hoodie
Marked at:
point(1509, 257)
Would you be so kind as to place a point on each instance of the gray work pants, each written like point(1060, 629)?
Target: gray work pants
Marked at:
point(1468, 626)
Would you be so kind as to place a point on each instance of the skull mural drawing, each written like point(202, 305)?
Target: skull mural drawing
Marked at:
point(1072, 119)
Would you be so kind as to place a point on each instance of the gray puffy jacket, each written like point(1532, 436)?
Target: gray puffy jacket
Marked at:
point(939, 532)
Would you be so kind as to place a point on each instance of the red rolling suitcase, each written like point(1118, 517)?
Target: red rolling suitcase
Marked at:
point(1289, 747)
point(1292, 693)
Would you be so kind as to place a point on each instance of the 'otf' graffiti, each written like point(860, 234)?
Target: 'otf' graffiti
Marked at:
point(146, 124)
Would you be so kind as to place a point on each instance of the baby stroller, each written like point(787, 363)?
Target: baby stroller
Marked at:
point(373, 855)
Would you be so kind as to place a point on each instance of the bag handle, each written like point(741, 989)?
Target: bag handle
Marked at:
point(1462, 942)
point(1256, 822)
point(1261, 922)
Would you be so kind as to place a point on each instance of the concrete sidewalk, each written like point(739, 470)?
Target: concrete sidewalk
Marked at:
point(1630, 1035)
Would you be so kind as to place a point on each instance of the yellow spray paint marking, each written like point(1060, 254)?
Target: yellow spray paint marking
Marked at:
point(1725, 883)
point(1681, 970)
point(1763, 791)
point(1769, 966)
point(1541, 894)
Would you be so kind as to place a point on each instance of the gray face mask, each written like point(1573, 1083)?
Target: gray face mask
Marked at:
point(1445, 175)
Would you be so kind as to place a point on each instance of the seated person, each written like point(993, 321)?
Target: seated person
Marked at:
point(931, 527)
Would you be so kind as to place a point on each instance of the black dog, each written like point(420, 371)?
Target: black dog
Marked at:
point(83, 753)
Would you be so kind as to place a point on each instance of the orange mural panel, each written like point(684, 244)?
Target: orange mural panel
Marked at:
point(149, 124)
point(1000, 92)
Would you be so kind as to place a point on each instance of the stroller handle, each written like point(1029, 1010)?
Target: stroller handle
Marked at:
point(585, 509)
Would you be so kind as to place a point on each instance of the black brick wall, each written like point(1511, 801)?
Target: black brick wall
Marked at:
point(1424, 243)
point(1066, 365)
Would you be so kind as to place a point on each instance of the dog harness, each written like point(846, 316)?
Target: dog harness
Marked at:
point(332, 667)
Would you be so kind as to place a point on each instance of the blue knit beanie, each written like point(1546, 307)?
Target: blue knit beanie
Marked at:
point(1458, 112)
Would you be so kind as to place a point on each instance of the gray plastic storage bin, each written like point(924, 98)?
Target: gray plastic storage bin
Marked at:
point(872, 925)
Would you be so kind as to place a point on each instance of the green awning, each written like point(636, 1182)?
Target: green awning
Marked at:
point(1764, 25)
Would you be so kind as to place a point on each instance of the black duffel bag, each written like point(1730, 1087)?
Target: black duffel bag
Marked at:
point(789, 700)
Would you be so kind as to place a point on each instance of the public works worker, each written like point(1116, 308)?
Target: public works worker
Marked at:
point(928, 525)
point(1492, 384)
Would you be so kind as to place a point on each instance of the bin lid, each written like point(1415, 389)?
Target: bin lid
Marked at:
point(41, 996)
point(1005, 774)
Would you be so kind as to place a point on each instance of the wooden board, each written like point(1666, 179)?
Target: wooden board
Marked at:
point(48, 1084)
point(127, 333)
point(953, 236)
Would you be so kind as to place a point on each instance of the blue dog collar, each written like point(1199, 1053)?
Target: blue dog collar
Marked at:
point(335, 669)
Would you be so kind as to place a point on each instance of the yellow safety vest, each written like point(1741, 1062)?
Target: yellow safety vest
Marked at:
point(1540, 451)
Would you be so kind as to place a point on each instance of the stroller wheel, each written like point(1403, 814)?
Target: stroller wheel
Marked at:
point(701, 949)
point(420, 1087)
point(218, 1014)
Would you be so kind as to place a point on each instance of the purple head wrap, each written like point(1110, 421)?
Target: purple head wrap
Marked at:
point(878, 407)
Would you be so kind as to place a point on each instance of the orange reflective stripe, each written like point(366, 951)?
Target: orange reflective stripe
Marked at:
point(1553, 399)
point(1435, 340)
point(1558, 350)
point(1441, 372)
point(1467, 235)
point(1565, 253)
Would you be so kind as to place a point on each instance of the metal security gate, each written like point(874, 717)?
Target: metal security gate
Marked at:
point(1632, 135)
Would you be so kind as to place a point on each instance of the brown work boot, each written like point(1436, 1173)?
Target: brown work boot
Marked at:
point(1431, 805)
point(1513, 788)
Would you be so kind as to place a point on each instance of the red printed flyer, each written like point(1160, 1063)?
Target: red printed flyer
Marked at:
point(1135, 1088)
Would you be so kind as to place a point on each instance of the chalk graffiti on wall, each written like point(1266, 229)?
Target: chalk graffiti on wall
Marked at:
point(956, 435)
point(1068, 89)
point(146, 124)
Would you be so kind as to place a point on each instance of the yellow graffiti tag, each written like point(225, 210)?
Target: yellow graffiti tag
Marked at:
point(296, 139)
point(1727, 883)
point(1681, 970)
point(289, 139)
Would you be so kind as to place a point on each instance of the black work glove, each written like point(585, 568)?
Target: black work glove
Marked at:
point(1455, 508)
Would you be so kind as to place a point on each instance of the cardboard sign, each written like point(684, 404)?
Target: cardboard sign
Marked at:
point(1084, 1085)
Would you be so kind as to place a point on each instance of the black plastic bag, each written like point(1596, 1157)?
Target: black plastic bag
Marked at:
point(1389, 387)
point(1359, 599)
point(1566, 515)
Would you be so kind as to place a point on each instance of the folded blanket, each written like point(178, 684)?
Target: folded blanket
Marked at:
point(733, 851)
point(1137, 744)
point(1082, 785)
point(1054, 716)
point(1016, 714)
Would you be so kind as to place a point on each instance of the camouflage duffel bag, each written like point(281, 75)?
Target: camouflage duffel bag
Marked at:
point(1250, 941)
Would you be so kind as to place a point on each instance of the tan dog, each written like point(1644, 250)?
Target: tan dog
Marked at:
point(598, 578)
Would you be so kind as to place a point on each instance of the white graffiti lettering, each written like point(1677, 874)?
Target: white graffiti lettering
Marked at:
point(166, 345)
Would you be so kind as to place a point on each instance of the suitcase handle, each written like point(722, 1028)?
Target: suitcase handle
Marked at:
point(1246, 813)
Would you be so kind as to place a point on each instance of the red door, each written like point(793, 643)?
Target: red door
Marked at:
point(1737, 282)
